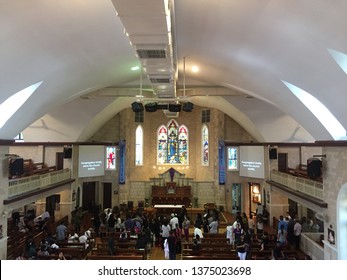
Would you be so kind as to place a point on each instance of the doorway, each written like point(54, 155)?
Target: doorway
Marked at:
point(107, 195)
point(282, 162)
point(236, 198)
point(59, 161)
point(88, 196)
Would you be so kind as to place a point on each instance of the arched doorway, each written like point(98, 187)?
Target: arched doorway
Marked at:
point(342, 222)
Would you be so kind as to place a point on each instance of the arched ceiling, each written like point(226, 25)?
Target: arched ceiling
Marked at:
point(245, 50)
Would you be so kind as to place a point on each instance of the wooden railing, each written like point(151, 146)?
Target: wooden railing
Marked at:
point(306, 186)
point(28, 184)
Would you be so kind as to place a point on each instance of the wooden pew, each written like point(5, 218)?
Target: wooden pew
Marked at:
point(17, 243)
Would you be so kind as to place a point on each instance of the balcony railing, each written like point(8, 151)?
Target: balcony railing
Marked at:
point(306, 186)
point(28, 184)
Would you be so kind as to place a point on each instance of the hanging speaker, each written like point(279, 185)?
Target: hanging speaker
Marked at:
point(67, 152)
point(273, 153)
point(188, 107)
point(137, 107)
point(151, 107)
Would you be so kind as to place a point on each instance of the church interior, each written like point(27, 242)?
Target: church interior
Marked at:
point(145, 108)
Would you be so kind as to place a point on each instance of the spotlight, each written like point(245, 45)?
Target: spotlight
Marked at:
point(175, 107)
point(151, 107)
point(188, 107)
point(137, 107)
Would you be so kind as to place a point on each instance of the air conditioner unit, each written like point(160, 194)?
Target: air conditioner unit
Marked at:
point(151, 51)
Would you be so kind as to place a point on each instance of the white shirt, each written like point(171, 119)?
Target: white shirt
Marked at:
point(213, 227)
point(199, 232)
point(297, 229)
point(173, 222)
point(84, 239)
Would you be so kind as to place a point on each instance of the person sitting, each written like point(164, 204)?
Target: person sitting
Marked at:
point(123, 235)
point(73, 238)
point(86, 239)
point(43, 251)
point(61, 256)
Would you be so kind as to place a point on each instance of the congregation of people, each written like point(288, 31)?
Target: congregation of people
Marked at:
point(168, 232)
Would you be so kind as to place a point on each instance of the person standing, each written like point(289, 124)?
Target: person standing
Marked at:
point(229, 232)
point(241, 248)
point(251, 226)
point(198, 231)
point(213, 227)
point(178, 235)
point(173, 221)
point(282, 236)
point(61, 232)
point(171, 240)
point(297, 233)
point(186, 225)
point(165, 232)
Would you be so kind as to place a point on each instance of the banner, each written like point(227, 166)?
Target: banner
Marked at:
point(221, 162)
point(122, 162)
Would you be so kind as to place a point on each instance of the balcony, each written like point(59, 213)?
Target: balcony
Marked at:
point(305, 188)
point(38, 183)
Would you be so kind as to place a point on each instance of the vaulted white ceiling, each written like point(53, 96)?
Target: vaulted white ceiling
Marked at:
point(83, 51)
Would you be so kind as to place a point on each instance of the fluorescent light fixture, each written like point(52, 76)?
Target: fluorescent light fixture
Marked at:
point(135, 68)
point(340, 58)
point(326, 118)
point(13, 103)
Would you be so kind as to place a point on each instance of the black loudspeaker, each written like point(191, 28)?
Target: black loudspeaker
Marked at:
point(67, 152)
point(137, 107)
point(314, 166)
point(151, 107)
point(188, 107)
point(175, 107)
point(16, 167)
point(273, 153)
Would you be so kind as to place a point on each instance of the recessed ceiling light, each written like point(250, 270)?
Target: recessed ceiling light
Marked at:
point(195, 69)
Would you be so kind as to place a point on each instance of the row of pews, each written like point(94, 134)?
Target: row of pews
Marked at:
point(124, 249)
point(217, 247)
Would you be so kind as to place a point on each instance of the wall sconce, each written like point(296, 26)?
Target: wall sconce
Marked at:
point(255, 189)
point(256, 194)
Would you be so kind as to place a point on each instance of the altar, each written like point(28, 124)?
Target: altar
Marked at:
point(167, 209)
point(171, 189)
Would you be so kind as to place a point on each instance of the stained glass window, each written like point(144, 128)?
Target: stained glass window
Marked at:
point(205, 145)
point(111, 158)
point(233, 159)
point(139, 145)
point(172, 144)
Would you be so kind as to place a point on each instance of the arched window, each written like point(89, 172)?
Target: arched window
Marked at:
point(172, 144)
point(205, 145)
point(139, 145)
